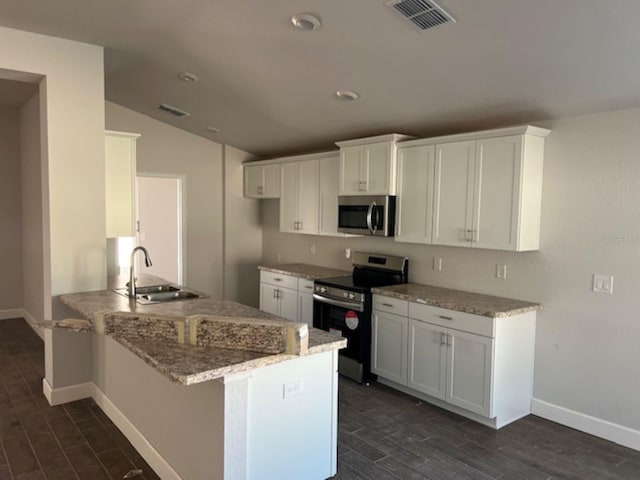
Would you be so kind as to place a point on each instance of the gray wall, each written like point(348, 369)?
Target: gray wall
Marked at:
point(10, 211)
point(587, 352)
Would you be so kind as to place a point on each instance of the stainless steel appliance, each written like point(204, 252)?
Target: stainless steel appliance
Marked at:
point(342, 305)
point(367, 215)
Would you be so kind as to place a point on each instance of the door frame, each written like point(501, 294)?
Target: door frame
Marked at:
point(182, 218)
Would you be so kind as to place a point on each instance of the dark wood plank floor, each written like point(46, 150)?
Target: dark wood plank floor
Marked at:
point(385, 434)
point(37, 441)
point(382, 434)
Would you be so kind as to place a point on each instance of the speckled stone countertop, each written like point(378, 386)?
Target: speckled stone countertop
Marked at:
point(303, 270)
point(458, 300)
point(182, 340)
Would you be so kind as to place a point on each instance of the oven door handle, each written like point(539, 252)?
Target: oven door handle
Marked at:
point(338, 303)
point(372, 229)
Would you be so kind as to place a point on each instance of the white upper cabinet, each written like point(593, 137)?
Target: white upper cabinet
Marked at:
point(487, 189)
point(299, 197)
point(329, 169)
point(262, 181)
point(414, 214)
point(368, 165)
point(120, 175)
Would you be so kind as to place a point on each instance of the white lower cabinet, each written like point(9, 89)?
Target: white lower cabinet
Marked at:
point(287, 296)
point(389, 346)
point(479, 367)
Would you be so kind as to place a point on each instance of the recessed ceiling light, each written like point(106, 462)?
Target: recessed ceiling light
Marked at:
point(306, 21)
point(347, 95)
point(212, 130)
point(188, 77)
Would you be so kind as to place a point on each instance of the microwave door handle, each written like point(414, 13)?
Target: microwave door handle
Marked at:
point(371, 221)
point(369, 215)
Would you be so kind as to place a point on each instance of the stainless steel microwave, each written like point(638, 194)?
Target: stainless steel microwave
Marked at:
point(367, 215)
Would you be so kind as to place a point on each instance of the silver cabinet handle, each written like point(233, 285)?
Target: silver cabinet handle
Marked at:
point(444, 318)
point(275, 293)
point(443, 337)
point(310, 287)
point(260, 190)
point(387, 305)
point(277, 279)
point(469, 236)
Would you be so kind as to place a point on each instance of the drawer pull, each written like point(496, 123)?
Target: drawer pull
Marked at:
point(444, 318)
point(309, 287)
point(277, 279)
point(387, 305)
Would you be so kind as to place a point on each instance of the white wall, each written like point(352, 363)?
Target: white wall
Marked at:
point(10, 212)
point(163, 149)
point(587, 353)
point(242, 233)
point(36, 283)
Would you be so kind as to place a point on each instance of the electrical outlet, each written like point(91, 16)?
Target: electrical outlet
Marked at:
point(347, 253)
point(501, 271)
point(437, 264)
point(292, 389)
point(602, 283)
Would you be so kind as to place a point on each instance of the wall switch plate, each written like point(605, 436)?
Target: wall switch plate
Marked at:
point(501, 271)
point(292, 389)
point(602, 283)
point(347, 253)
point(437, 264)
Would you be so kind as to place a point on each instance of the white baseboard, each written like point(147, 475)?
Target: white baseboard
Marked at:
point(140, 443)
point(58, 396)
point(11, 313)
point(585, 423)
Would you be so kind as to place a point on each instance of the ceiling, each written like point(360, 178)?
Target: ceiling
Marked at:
point(269, 87)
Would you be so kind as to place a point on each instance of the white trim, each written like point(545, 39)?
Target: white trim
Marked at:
point(293, 158)
point(463, 137)
point(58, 396)
point(391, 137)
point(72, 393)
point(11, 313)
point(614, 432)
point(137, 439)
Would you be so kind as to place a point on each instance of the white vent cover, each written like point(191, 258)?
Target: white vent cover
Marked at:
point(173, 110)
point(424, 14)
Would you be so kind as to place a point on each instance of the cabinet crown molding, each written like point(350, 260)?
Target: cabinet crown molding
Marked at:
point(391, 137)
point(292, 158)
point(462, 137)
point(114, 133)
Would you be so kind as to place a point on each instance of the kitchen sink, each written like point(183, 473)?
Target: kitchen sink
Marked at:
point(158, 294)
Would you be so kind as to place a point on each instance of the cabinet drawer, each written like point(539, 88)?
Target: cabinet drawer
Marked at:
point(305, 285)
point(278, 279)
point(465, 322)
point(390, 305)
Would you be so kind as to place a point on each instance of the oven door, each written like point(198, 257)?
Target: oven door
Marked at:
point(350, 322)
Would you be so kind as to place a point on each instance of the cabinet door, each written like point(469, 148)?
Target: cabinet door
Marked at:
point(427, 358)
point(329, 173)
point(389, 346)
point(376, 168)
point(497, 190)
point(470, 373)
point(288, 303)
point(351, 181)
point(253, 181)
point(269, 301)
point(308, 197)
point(453, 193)
point(120, 173)
point(414, 219)
point(289, 198)
point(305, 308)
point(271, 181)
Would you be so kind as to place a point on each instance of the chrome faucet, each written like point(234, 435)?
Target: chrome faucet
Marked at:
point(132, 269)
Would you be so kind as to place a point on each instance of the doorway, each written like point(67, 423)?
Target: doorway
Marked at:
point(159, 225)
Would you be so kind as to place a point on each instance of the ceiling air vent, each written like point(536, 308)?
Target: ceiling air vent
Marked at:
point(424, 14)
point(173, 110)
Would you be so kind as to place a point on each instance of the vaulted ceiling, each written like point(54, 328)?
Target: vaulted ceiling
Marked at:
point(269, 88)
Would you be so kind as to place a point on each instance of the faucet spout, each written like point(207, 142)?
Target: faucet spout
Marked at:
point(132, 269)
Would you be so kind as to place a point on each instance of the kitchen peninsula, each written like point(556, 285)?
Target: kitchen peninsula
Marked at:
point(210, 389)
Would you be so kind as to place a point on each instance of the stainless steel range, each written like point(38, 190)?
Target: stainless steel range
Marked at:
point(342, 305)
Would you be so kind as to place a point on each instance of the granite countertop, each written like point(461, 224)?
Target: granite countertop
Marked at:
point(192, 341)
point(303, 270)
point(458, 300)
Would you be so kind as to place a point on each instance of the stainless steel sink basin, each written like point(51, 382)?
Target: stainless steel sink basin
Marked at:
point(158, 294)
